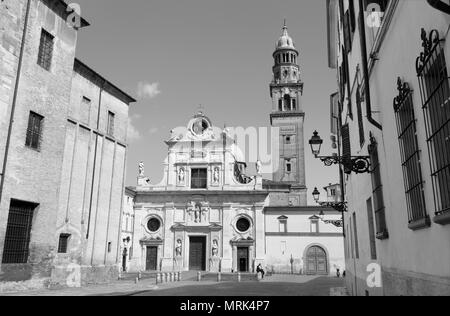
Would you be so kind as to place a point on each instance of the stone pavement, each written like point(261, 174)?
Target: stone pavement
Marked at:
point(276, 285)
point(103, 289)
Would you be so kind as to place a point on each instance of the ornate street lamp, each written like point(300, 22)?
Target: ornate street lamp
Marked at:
point(316, 143)
point(356, 164)
point(341, 207)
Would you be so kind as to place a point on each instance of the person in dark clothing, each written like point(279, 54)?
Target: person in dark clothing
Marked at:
point(259, 269)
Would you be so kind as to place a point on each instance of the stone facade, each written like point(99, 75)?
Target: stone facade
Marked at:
point(57, 180)
point(230, 222)
point(186, 211)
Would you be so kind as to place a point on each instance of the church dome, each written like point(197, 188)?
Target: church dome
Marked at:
point(285, 41)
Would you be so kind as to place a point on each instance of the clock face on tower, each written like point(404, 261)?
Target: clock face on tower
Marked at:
point(200, 126)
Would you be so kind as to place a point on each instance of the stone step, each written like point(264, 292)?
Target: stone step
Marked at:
point(230, 277)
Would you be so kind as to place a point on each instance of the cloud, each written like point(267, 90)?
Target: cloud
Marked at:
point(147, 90)
point(153, 130)
point(133, 132)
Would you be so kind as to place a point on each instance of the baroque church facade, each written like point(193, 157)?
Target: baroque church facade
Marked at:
point(208, 214)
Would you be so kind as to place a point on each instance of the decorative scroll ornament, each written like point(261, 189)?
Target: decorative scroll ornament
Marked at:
point(338, 206)
point(429, 44)
point(403, 92)
point(355, 164)
point(338, 223)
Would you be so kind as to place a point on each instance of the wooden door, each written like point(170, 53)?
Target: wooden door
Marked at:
point(316, 261)
point(152, 259)
point(242, 259)
point(197, 253)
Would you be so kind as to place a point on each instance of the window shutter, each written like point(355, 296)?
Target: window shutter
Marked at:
point(347, 33)
point(351, 5)
point(346, 148)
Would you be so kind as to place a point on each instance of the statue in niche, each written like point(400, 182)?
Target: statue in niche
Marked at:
point(216, 175)
point(141, 169)
point(181, 175)
point(179, 248)
point(258, 167)
point(215, 248)
point(198, 213)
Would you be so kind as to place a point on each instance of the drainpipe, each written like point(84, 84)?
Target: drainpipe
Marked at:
point(14, 101)
point(362, 35)
point(102, 88)
point(439, 5)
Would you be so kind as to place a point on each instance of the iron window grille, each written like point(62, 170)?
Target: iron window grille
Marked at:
point(199, 178)
point(377, 192)
point(46, 50)
point(63, 243)
point(18, 232)
point(410, 155)
point(34, 131)
point(434, 85)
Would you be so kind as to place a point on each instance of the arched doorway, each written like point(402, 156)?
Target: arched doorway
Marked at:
point(316, 261)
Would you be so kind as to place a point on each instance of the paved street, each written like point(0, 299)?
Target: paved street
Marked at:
point(278, 285)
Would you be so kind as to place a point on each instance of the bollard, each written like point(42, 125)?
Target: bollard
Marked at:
point(158, 278)
point(239, 277)
point(171, 277)
point(179, 276)
point(219, 277)
point(136, 281)
point(139, 275)
point(199, 276)
point(166, 277)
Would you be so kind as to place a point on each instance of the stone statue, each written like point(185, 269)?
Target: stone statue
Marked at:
point(141, 169)
point(198, 213)
point(215, 248)
point(258, 167)
point(216, 175)
point(181, 175)
point(179, 248)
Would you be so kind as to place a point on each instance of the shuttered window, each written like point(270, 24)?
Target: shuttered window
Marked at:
point(346, 148)
point(362, 139)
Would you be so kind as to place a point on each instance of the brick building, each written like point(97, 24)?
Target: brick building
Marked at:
point(62, 134)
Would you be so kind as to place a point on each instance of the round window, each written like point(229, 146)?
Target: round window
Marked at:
point(153, 224)
point(243, 225)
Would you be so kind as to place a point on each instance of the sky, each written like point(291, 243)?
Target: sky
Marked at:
point(174, 55)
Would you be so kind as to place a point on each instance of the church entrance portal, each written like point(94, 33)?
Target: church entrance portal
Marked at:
point(242, 259)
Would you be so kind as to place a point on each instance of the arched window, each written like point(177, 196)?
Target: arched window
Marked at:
point(287, 101)
point(280, 105)
point(294, 105)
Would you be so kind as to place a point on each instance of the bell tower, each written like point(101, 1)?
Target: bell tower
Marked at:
point(287, 114)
